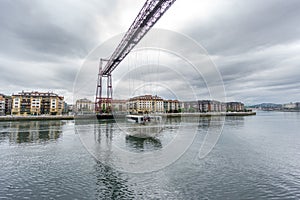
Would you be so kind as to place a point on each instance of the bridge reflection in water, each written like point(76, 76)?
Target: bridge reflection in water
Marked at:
point(112, 143)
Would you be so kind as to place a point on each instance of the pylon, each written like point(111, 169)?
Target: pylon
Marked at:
point(103, 104)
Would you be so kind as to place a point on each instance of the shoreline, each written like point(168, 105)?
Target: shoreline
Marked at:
point(209, 114)
point(36, 118)
point(72, 117)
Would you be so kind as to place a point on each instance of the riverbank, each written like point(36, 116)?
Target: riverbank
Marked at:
point(72, 117)
point(209, 114)
point(35, 118)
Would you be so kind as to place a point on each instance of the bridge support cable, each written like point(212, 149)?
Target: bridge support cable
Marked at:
point(150, 13)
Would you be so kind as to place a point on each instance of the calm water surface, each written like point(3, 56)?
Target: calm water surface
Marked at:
point(256, 157)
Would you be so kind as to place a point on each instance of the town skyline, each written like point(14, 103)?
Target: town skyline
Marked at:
point(256, 54)
point(92, 100)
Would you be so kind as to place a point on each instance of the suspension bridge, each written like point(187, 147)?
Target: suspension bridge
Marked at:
point(150, 13)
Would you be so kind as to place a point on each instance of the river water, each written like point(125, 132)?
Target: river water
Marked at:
point(255, 157)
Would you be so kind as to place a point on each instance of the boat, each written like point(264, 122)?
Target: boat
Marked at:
point(141, 119)
point(104, 116)
point(135, 118)
point(143, 126)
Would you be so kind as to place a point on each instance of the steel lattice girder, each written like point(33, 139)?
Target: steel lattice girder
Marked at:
point(147, 17)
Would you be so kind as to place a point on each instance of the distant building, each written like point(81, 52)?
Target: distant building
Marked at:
point(2, 105)
point(119, 105)
point(297, 105)
point(145, 104)
point(290, 106)
point(8, 105)
point(5, 105)
point(84, 106)
point(204, 106)
point(211, 106)
point(235, 107)
point(37, 103)
point(66, 108)
point(70, 108)
point(189, 106)
point(171, 106)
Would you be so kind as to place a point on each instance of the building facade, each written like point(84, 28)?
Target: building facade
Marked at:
point(145, 104)
point(84, 106)
point(2, 105)
point(189, 106)
point(297, 105)
point(8, 105)
point(171, 106)
point(119, 105)
point(37, 103)
point(235, 107)
point(290, 106)
point(211, 106)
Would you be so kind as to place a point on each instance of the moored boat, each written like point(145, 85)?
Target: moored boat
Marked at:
point(143, 126)
point(143, 119)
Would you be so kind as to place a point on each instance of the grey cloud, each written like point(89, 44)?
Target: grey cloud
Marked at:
point(249, 25)
point(255, 45)
point(30, 29)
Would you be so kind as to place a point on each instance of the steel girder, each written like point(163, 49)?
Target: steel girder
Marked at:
point(147, 17)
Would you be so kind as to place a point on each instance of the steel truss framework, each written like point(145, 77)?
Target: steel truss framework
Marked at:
point(147, 17)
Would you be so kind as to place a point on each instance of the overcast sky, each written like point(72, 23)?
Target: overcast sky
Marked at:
point(254, 44)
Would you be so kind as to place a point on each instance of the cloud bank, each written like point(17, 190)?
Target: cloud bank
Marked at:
point(254, 44)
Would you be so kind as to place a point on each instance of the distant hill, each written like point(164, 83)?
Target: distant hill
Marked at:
point(266, 105)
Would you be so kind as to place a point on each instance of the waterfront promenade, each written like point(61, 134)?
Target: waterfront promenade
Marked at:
point(208, 114)
point(37, 117)
point(72, 117)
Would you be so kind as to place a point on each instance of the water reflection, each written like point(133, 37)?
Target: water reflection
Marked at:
point(143, 144)
point(110, 184)
point(103, 131)
point(114, 142)
point(256, 158)
point(32, 131)
point(109, 131)
point(236, 121)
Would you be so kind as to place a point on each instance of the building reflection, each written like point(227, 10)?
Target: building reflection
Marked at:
point(35, 131)
point(235, 121)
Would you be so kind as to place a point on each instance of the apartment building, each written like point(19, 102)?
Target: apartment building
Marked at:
point(119, 105)
point(2, 104)
point(235, 106)
point(145, 104)
point(171, 106)
point(297, 105)
point(189, 106)
point(84, 106)
point(37, 103)
point(8, 105)
point(211, 106)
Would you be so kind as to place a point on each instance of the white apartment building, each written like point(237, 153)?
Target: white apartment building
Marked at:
point(84, 106)
point(146, 104)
